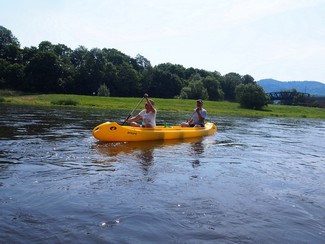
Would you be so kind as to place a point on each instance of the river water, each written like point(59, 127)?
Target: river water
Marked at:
point(258, 180)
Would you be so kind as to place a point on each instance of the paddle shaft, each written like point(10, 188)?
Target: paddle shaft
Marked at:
point(133, 110)
point(191, 116)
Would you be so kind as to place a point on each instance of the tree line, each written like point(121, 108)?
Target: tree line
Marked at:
point(56, 68)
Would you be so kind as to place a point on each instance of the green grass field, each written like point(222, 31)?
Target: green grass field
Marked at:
point(213, 108)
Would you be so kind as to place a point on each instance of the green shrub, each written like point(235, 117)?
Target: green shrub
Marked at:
point(65, 102)
point(251, 96)
point(8, 93)
point(103, 91)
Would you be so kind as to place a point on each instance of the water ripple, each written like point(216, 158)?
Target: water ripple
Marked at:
point(258, 180)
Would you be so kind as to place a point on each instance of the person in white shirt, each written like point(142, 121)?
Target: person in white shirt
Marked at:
point(148, 115)
point(198, 117)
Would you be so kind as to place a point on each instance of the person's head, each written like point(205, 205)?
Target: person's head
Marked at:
point(199, 103)
point(151, 101)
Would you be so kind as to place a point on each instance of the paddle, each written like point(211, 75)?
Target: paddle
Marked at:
point(133, 110)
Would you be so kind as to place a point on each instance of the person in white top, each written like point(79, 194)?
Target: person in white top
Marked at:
point(199, 115)
point(148, 115)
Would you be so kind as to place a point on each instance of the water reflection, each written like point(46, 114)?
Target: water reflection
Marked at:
point(112, 149)
point(146, 158)
point(197, 150)
point(115, 148)
point(144, 152)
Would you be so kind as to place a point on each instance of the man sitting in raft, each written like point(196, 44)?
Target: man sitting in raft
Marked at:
point(148, 115)
point(199, 115)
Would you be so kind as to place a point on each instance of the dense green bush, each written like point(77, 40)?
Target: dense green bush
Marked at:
point(251, 96)
point(65, 102)
point(103, 91)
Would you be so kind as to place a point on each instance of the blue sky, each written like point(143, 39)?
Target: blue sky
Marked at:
point(280, 39)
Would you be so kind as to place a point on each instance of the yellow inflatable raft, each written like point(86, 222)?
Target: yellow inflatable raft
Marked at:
point(113, 132)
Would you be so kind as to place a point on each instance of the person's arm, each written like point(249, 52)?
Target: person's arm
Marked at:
point(201, 119)
point(151, 108)
point(135, 118)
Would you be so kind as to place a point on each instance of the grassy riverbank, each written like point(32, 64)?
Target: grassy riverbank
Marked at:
point(215, 108)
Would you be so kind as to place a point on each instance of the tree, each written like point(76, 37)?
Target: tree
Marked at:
point(78, 56)
point(165, 84)
point(300, 99)
point(49, 68)
point(8, 43)
point(145, 82)
point(11, 75)
point(251, 96)
point(90, 69)
point(11, 67)
point(68, 74)
point(214, 90)
point(59, 69)
point(142, 63)
point(194, 90)
point(45, 46)
point(175, 69)
point(247, 79)
point(116, 57)
point(127, 81)
point(62, 51)
point(229, 84)
point(28, 53)
point(44, 73)
point(103, 91)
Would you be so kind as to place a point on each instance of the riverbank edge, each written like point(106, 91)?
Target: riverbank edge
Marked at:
point(217, 108)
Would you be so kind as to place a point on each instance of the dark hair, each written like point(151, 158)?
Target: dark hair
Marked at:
point(199, 101)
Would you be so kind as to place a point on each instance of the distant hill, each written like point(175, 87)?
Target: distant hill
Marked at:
point(314, 88)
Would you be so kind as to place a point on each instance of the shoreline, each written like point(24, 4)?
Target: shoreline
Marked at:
point(218, 108)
